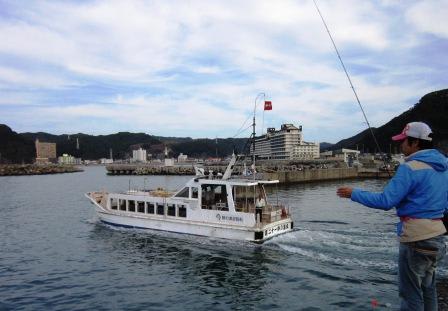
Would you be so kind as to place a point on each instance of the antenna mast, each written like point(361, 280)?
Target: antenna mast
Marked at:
point(253, 133)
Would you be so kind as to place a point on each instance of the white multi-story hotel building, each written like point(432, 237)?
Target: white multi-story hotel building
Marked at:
point(285, 144)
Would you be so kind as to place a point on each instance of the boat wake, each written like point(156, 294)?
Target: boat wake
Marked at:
point(346, 248)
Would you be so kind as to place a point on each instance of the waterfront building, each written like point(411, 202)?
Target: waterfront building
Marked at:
point(285, 144)
point(68, 159)
point(106, 161)
point(306, 151)
point(182, 158)
point(139, 155)
point(45, 152)
point(347, 155)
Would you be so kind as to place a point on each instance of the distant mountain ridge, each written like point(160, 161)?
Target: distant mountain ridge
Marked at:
point(431, 109)
point(325, 146)
point(17, 148)
point(95, 147)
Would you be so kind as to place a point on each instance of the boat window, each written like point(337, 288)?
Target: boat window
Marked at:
point(140, 207)
point(114, 203)
point(183, 193)
point(214, 197)
point(244, 199)
point(160, 209)
point(150, 208)
point(131, 206)
point(182, 211)
point(194, 192)
point(171, 210)
point(122, 205)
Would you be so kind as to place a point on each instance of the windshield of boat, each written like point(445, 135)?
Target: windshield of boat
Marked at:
point(214, 197)
point(194, 192)
point(184, 193)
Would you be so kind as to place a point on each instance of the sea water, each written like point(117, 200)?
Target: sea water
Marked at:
point(55, 255)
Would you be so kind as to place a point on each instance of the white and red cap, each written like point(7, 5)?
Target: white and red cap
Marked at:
point(418, 130)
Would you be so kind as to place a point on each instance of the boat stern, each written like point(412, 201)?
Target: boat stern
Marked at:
point(271, 230)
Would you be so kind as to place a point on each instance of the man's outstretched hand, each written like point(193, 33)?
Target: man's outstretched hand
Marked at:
point(344, 192)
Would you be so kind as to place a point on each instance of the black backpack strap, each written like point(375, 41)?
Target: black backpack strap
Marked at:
point(445, 221)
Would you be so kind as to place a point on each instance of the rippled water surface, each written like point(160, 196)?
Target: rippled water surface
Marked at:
point(56, 256)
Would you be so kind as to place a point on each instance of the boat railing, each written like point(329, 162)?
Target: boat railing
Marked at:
point(270, 212)
point(159, 192)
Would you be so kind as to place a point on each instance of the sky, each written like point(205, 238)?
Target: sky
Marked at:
point(201, 68)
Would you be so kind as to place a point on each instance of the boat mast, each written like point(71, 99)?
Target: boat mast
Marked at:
point(253, 132)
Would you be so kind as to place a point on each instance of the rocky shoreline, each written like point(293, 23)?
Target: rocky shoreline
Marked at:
point(33, 169)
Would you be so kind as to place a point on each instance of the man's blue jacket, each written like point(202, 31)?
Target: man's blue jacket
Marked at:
point(419, 188)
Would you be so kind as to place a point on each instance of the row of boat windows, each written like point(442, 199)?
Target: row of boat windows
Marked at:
point(174, 210)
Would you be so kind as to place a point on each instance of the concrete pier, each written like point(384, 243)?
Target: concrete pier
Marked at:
point(312, 175)
point(282, 174)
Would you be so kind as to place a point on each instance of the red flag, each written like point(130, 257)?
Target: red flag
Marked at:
point(267, 105)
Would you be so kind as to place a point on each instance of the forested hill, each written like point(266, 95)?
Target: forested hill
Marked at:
point(431, 109)
point(18, 148)
point(122, 144)
point(14, 148)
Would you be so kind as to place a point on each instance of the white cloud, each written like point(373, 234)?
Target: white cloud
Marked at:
point(196, 66)
point(430, 17)
point(13, 76)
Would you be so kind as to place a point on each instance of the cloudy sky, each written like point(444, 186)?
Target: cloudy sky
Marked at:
point(194, 68)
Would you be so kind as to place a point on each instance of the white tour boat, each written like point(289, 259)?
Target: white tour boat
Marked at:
point(222, 207)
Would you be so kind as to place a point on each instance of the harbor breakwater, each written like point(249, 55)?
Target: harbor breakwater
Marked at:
point(32, 169)
point(284, 176)
point(312, 175)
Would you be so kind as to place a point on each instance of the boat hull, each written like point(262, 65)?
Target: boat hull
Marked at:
point(257, 234)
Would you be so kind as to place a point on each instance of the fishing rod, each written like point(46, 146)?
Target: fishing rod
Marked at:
point(350, 81)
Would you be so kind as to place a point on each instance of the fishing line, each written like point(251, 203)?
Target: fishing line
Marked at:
point(241, 128)
point(241, 131)
point(349, 80)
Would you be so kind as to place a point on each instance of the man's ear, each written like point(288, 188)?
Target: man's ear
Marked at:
point(415, 144)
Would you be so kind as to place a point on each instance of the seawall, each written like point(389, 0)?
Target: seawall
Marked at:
point(312, 175)
point(32, 169)
point(284, 176)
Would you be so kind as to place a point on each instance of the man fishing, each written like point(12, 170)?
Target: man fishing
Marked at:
point(419, 192)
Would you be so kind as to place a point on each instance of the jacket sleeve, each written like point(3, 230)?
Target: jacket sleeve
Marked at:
point(398, 187)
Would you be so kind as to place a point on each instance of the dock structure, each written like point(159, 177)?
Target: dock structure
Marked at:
point(312, 175)
point(285, 175)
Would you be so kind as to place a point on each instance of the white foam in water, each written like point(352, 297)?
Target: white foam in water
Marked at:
point(340, 261)
point(298, 241)
point(348, 241)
